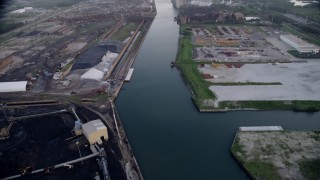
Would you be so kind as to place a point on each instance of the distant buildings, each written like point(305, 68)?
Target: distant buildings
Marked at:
point(251, 18)
point(218, 17)
point(300, 45)
point(20, 11)
point(17, 86)
point(178, 3)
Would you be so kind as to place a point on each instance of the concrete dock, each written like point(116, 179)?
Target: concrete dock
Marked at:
point(129, 75)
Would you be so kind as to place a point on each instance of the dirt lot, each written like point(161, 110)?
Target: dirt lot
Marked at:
point(284, 149)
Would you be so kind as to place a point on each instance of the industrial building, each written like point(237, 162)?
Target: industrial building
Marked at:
point(300, 45)
point(17, 86)
point(93, 55)
point(94, 131)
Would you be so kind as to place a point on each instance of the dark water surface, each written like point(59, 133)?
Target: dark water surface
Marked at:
point(170, 138)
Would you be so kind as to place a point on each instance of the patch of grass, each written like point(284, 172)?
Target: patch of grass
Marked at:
point(100, 97)
point(188, 67)
point(304, 106)
point(268, 150)
point(6, 27)
point(301, 35)
point(237, 150)
point(310, 169)
point(287, 163)
point(262, 170)
point(52, 4)
point(125, 31)
point(316, 135)
point(245, 83)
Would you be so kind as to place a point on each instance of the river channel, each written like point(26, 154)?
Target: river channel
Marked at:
point(169, 137)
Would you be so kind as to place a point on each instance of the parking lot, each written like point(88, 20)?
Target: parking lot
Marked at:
point(243, 54)
point(300, 81)
point(239, 44)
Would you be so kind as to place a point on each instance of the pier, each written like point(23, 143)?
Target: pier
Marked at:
point(129, 75)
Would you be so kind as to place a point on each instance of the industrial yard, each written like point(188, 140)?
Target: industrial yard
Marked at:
point(277, 76)
point(273, 153)
point(67, 61)
point(251, 63)
point(71, 41)
point(285, 81)
point(56, 139)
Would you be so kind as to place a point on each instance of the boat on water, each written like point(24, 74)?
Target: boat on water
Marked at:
point(173, 64)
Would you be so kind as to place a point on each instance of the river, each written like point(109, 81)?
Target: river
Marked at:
point(169, 137)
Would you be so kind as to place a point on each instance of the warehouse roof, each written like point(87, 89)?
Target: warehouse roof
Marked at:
point(17, 86)
point(261, 128)
point(297, 40)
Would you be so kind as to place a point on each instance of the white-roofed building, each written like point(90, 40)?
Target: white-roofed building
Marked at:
point(95, 131)
point(251, 18)
point(300, 45)
point(17, 86)
point(93, 74)
point(261, 128)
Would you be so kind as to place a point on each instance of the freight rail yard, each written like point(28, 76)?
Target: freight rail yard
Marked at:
point(67, 62)
point(46, 49)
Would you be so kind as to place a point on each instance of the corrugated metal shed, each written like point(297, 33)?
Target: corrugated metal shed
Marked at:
point(94, 130)
point(17, 86)
point(261, 128)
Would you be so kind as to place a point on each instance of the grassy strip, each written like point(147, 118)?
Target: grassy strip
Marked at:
point(188, 67)
point(244, 83)
point(303, 36)
point(124, 32)
point(237, 150)
point(262, 170)
point(310, 169)
point(296, 54)
point(307, 106)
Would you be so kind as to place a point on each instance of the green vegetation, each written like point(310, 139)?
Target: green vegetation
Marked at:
point(316, 135)
point(6, 27)
point(308, 106)
point(262, 170)
point(125, 31)
point(237, 150)
point(245, 83)
point(310, 169)
point(304, 36)
point(188, 67)
point(304, 55)
point(256, 168)
point(100, 97)
point(311, 11)
point(52, 4)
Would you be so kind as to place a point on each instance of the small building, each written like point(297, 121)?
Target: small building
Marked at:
point(251, 18)
point(18, 86)
point(238, 16)
point(300, 45)
point(95, 131)
point(261, 128)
